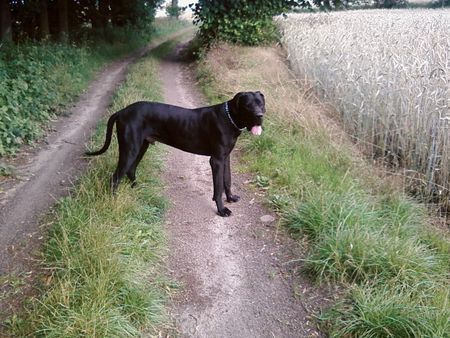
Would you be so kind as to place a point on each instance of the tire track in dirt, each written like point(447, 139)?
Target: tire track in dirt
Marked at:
point(47, 174)
point(230, 268)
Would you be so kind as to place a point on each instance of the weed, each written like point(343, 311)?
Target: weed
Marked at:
point(7, 170)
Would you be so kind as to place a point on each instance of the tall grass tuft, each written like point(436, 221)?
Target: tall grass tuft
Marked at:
point(389, 311)
point(104, 254)
point(387, 73)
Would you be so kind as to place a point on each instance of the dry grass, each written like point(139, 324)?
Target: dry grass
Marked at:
point(284, 93)
point(387, 73)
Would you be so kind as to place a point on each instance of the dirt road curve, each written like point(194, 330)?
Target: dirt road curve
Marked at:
point(229, 267)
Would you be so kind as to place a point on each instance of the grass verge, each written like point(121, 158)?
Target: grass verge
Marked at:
point(361, 232)
point(104, 253)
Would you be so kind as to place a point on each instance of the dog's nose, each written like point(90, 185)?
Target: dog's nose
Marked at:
point(259, 115)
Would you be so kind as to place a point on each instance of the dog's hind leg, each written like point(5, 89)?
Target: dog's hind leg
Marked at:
point(227, 182)
point(128, 152)
point(125, 162)
point(132, 171)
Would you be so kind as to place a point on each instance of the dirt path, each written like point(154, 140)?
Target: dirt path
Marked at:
point(230, 268)
point(45, 174)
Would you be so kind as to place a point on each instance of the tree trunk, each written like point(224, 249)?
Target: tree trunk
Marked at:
point(94, 16)
point(327, 5)
point(119, 13)
point(175, 8)
point(104, 12)
point(63, 20)
point(43, 20)
point(5, 21)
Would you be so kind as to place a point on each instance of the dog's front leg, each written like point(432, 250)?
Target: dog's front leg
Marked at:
point(227, 182)
point(218, 167)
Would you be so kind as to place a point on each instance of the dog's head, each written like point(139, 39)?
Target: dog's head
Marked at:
point(249, 109)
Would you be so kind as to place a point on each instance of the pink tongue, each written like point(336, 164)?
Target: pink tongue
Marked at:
point(256, 130)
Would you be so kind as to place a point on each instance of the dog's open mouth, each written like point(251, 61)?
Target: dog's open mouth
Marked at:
point(256, 130)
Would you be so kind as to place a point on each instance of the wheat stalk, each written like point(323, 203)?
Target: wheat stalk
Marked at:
point(387, 73)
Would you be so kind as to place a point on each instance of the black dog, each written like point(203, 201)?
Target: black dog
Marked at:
point(210, 131)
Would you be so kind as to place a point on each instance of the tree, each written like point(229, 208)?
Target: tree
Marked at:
point(43, 20)
point(104, 13)
point(5, 21)
point(173, 10)
point(34, 19)
point(246, 22)
point(63, 20)
point(97, 12)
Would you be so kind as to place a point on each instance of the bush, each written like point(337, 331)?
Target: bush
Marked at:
point(248, 23)
point(174, 11)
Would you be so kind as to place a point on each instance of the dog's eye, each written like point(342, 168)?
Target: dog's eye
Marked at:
point(258, 102)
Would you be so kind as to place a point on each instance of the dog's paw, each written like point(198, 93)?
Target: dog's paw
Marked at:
point(233, 198)
point(225, 212)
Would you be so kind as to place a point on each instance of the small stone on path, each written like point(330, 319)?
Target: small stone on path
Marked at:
point(267, 219)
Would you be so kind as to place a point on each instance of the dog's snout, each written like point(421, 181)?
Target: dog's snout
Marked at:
point(259, 114)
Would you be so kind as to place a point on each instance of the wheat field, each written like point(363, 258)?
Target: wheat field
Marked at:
point(387, 73)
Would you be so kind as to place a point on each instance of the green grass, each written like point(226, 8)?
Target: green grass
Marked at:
point(105, 253)
point(374, 241)
point(389, 311)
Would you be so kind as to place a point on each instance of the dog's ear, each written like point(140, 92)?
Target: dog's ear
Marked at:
point(238, 97)
point(262, 97)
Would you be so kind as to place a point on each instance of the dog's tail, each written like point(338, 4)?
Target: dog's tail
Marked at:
point(109, 131)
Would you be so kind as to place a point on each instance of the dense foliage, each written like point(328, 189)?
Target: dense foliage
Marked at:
point(246, 22)
point(38, 78)
point(33, 80)
point(40, 19)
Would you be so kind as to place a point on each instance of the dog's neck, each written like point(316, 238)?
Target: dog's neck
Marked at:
point(227, 111)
